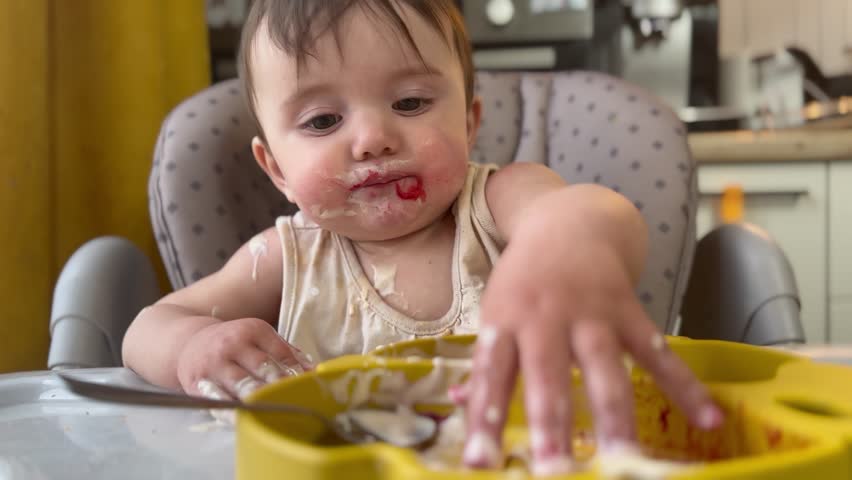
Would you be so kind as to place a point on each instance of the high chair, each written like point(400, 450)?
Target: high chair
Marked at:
point(208, 197)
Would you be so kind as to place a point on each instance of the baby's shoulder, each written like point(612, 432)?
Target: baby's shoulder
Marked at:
point(297, 232)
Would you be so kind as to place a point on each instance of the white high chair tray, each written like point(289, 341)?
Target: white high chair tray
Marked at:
point(47, 432)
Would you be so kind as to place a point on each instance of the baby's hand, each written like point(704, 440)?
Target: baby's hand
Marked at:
point(550, 306)
point(231, 359)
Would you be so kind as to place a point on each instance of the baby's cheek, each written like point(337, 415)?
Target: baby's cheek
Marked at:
point(445, 157)
point(316, 189)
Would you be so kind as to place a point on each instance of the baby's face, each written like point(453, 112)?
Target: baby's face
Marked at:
point(366, 141)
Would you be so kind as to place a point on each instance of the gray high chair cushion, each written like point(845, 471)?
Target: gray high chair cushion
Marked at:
point(208, 196)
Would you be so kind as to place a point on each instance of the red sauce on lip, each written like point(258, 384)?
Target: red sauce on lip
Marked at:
point(413, 192)
point(370, 177)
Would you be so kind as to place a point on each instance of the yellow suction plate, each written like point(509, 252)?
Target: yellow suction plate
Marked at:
point(787, 418)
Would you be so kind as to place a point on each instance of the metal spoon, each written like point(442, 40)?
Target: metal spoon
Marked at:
point(353, 426)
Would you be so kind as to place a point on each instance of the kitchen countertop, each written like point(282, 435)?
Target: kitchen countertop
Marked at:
point(812, 143)
point(825, 136)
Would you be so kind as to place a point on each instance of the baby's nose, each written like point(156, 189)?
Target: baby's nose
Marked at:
point(376, 138)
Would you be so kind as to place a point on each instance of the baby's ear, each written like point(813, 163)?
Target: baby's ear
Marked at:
point(474, 116)
point(269, 165)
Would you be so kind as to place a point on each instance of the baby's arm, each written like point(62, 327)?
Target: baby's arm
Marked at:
point(563, 295)
point(161, 333)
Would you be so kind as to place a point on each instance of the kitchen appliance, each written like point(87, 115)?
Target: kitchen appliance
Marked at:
point(544, 34)
point(768, 89)
point(656, 42)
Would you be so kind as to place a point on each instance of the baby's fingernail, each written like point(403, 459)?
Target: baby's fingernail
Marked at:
point(209, 389)
point(269, 372)
point(303, 358)
point(482, 451)
point(557, 465)
point(246, 386)
point(293, 369)
point(547, 445)
point(551, 452)
point(710, 417)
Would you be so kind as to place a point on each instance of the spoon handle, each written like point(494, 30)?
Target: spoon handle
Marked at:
point(133, 396)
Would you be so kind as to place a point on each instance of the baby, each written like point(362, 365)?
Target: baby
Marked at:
point(366, 117)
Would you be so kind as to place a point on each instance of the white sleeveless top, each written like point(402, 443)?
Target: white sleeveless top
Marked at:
point(329, 307)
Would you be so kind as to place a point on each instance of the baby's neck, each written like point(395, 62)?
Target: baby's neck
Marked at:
point(410, 243)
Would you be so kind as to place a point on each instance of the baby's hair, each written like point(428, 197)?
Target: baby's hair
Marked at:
point(295, 25)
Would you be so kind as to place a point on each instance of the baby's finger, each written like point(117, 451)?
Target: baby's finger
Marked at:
point(303, 358)
point(489, 389)
point(209, 389)
point(607, 384)
point(459, 393)
point(236, 380)
point(650, 350)
point(546, 366)
point(246, 386)
point(262, 366)
point(280, 351)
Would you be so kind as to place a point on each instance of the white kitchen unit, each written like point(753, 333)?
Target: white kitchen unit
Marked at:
point(840, 251)
point(790, 201)
point(840, 317)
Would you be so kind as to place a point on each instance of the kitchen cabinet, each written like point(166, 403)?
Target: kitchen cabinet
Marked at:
point(821, 27)
point(790, 201)
point(834, 58)
point(840, 251)
point(776, 28)
point(807, 34)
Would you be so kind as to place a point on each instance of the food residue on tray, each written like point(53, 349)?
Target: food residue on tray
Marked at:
point(354, 389)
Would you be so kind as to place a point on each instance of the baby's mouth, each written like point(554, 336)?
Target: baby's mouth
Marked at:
point(407, 187)
point(375, 179)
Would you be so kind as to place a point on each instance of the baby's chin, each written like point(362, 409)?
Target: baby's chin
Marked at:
point(364, 225)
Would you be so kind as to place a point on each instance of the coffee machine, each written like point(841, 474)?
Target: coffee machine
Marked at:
point(656, 42)
point(647, 42)
point(544, 34)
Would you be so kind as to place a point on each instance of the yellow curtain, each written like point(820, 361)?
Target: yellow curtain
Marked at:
point(84, 86)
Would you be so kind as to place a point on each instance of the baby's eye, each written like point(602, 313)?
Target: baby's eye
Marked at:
point(410, 104)
point(323, 122)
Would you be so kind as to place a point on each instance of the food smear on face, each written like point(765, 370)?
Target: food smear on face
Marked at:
point(408, 187)
point(323, 214)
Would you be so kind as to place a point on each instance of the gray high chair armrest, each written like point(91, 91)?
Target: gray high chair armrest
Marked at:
point(742, 289)
point(102, 287)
